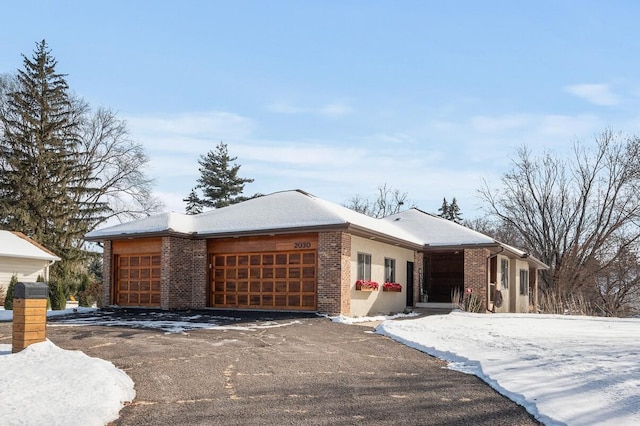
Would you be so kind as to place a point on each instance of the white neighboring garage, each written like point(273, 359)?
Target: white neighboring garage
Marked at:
point(25, 258)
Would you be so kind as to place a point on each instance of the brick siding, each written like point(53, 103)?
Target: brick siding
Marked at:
point(106, 273)
point(476, 273)
point(334, 273)
point(184, 273)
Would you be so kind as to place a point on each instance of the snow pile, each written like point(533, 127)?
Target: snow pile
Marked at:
point(562, 369)
point(355, 320)
point(44, 384)
point(8, 315)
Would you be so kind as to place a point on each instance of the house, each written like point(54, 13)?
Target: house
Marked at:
point(293, 251)
point(23, 257)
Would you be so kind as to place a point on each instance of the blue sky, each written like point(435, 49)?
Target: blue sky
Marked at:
point(340, 97)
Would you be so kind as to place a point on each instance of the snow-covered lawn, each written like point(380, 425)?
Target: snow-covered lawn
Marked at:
point(563, 369)
point(46, 385)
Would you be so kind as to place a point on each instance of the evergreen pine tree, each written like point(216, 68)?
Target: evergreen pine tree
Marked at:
point(219, 180)
point(40, 175)
point(194, 204)
point(454, 212)
point(8, 298)
point(444, 209)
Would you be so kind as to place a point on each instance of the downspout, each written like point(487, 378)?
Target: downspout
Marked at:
point(46, 273)
point(488, 277)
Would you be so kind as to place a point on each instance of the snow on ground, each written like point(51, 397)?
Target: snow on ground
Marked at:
point(563, 369)
point(356, 320)
point(44, 384)
point(72, 307)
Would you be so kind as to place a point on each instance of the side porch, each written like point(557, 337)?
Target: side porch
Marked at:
point(494, 280)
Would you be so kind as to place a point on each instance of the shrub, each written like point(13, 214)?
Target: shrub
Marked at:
point(57, 295)
point(464, 301)
point(84, 299)
point(89, 292)
point(8, 299)
point(552, 302)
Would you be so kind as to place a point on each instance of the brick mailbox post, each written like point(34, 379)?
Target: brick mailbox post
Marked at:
point(29, 314)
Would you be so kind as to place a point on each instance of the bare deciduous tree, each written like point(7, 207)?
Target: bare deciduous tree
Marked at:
point(117, 164)
point(388, 201)
point(579, 216)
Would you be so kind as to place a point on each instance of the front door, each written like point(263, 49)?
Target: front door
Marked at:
point(410, 301)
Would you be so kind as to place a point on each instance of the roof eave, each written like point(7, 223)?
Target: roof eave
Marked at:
point(439, 247)
point(129, 236)
point(44, 259)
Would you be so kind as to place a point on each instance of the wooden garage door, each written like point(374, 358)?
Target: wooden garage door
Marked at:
point(138, 280)
point(272, 280)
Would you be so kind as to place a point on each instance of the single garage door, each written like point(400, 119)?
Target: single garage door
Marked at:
point(284, 280)
point(138, 280)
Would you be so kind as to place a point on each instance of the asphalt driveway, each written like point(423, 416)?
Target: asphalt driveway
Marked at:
point(281, 369)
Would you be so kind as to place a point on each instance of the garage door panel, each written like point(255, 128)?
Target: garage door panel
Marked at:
point(138, 280)
point(308, 286)
point(309, 301)
point(280, 280)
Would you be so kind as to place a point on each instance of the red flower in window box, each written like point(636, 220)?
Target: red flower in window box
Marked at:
point(391, 287)
point(362, 285)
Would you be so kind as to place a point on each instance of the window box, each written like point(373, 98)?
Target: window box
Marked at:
point(392, 287)
point(362, 285)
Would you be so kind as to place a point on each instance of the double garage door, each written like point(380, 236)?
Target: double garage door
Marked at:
point(265, 280)
point(285, 279)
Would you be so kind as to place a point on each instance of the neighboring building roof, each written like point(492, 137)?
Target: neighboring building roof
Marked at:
point(298, 211)
point(16, 244)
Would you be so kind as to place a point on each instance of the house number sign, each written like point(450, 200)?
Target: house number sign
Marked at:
point(297, 245)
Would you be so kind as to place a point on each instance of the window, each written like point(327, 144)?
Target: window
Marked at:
point(524, 282)
point(364, 266)
point(504, 273)
point(389, 270)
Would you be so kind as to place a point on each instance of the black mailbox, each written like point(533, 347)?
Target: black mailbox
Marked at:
point(31, 291)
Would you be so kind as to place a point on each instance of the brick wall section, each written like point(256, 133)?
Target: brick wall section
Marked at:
point(476, 273)
point(183, 271)
point(106, 273)
point(418, 262)
point(334, 273)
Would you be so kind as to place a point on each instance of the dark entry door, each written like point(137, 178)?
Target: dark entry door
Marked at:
point(410, 284)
